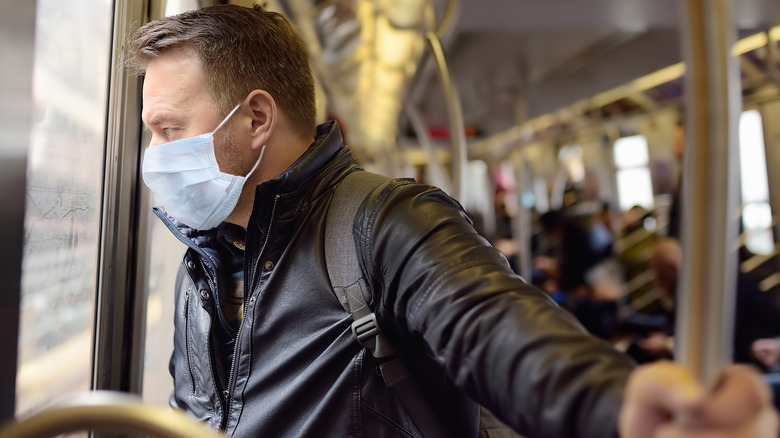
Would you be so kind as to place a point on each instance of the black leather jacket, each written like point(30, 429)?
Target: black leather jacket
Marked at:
point(469, 328)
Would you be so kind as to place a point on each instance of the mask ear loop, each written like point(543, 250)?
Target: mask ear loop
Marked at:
point(226, 118)
point(257, 163)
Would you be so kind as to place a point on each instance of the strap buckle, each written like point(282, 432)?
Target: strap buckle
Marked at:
point(365, 328)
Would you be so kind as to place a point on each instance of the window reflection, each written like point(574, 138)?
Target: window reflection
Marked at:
point(63, 197)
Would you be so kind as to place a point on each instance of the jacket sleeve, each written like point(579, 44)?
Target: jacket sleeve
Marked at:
point(502, 341)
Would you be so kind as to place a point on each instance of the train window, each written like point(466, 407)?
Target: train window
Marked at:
point(633, 174)
point(541, 200)
point(477, 197)
point(756, 212)
point(173, 7)
point(165, 257)
point(63, 197)
point(571, 158)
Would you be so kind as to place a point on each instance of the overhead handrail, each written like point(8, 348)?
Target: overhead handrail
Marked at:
point(772, 57)
point(757, 260)
point(446, 20)
point(112, 412)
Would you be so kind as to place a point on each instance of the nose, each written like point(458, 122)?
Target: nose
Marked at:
point(156, 140)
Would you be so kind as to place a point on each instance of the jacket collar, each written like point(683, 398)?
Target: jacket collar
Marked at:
point(327, 142)
point(303, 180)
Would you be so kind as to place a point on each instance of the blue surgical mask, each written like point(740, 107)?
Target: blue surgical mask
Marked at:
point(184, 175)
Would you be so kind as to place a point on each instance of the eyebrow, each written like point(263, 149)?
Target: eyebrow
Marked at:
point(158, 119)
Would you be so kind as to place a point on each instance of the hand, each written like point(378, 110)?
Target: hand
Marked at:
point(767, 351)
point(662, 400)
point(657, 344)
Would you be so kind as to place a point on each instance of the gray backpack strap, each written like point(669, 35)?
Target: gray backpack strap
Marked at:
point(340, 251)
point(349, 285)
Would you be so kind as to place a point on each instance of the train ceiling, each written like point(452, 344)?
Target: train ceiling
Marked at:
point(510, 60)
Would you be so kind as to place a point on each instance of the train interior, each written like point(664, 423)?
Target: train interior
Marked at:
point(560, 126)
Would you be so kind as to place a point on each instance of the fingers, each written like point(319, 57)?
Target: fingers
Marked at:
point(764, 424)
point(653, 393)
point(738, 396)
point(662, 400)
point(666, 386)
point(738, 407)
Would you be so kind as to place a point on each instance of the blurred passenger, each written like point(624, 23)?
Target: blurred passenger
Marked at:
point(756, 316)
point(634, 219)
point(549, 241)
point(585, 243)
point(589, 277)
point(767, 352)
point(678, 145)
point(654, 331)
point(545, 275)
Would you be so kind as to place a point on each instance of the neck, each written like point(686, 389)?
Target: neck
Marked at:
point(280, 153)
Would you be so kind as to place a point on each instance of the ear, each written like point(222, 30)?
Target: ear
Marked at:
point(264, 117)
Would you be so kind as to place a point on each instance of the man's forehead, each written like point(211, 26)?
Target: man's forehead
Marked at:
point(172, 81)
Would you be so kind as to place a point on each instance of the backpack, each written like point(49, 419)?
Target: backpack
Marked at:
point(349, 285)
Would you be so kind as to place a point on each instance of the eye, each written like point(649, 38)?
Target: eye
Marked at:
point(168, 132)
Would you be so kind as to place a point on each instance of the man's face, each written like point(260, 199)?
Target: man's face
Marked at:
point(176, 105)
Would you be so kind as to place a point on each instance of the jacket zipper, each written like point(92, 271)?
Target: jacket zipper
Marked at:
point(226, 393)
point(187, 336)
point(214, 364)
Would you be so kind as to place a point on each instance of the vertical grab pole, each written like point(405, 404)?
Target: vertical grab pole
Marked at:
point(455, 116)
point(521, 220)
point(706, 291)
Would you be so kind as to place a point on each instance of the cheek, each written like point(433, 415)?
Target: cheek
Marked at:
point(228, 155)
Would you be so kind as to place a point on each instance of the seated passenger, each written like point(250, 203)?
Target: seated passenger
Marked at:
point(755, 315)
point(654, 331)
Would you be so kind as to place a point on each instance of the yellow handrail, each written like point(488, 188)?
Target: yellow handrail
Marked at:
point(111, 412)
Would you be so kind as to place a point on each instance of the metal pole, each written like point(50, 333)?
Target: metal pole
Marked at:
point(706, 291)
point(439, 174)
point(17, 36)
point(455, 116)
point(521, 221)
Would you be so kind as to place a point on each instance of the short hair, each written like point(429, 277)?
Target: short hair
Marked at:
point(239, 49)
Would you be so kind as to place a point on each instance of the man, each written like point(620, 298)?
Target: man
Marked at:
point(263, 348)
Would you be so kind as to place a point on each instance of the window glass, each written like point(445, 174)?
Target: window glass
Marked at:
point(631, 151)
point(634, 188)
point(571, 158)
point(634, 183)
point(477, 197)
point(63, 198)
point(540, 195)
point(755, 186)
point(165, 256)
point(756, 212)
